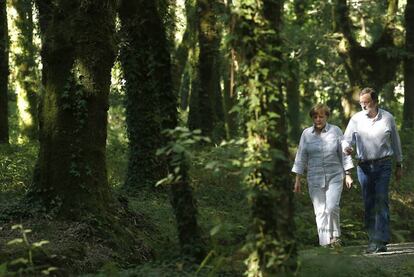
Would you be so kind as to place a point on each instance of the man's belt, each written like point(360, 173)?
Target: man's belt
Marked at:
point(374, 161)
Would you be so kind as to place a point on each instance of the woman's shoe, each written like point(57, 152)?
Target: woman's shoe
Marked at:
point(336, 243)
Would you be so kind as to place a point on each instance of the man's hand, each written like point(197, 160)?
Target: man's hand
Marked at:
point(348, 150)
point(398, 174)
point(348, 181)
point(297, 186)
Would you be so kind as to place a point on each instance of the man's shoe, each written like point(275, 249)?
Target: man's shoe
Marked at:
point(380, 248)
point(372, 247)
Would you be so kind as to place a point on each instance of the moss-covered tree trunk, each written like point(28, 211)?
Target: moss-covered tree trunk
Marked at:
point(146, 61)
point(181, 194)
point(78, 52)
point(27, 83)
point(408, 114)
point(366, 66)
point(141, 39)
point(4, 74)
point(185, 211)
point(270, 241)
point(208, 103)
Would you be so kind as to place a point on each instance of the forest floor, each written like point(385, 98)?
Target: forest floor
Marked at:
point(350, 261)
point(223, 215)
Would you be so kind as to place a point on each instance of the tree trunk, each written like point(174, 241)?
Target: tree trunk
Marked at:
point(408, 114)
point(78, 53)
point(270, 241)
point(365, 66)
point(181, 63)
point(293, 99)
point(293, 80)
point(229, 77)
point(185, 87)
point(143, 61)
point(185, 210)
point(4, 74)
point(209, 104)
point(26, 70)
point(156, 107)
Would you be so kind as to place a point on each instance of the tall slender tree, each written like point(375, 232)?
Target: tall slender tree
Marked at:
point(183, 68)
point(145, 57)
point(78, 52)
point(408, 114)
point(144, 84)
point(270, 240)
point(4, 74)
point(26, 69)
point(207, 104)
point(229, 74)
point(294, 77)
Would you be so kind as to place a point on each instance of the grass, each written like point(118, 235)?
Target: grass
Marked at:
point(223, 216)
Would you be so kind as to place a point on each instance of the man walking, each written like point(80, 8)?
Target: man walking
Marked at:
point(374, 133)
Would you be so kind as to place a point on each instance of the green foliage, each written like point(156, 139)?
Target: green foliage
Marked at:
point(24, 62)
point(117, 141)
point(16, 166)
point(150, 103)
point(269, 244)
point(177, 152)
point(25, 264)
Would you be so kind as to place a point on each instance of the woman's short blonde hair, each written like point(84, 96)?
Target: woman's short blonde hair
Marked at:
point(318, 108)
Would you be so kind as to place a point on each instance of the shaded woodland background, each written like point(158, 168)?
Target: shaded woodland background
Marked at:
point(155, 138)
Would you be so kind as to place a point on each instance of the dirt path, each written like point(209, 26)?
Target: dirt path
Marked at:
point(397, 249)
point(350, 261)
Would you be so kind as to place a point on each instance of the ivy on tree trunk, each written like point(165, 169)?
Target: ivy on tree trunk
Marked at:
point(206, 107)
point(143, 69)
point(270, 242)
point(78, 52)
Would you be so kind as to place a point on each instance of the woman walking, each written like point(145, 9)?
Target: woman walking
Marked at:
point(320, 155)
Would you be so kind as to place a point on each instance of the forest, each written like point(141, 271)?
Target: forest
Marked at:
point(157, 138)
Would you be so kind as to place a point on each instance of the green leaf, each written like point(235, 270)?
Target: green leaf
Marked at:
point(15, 241)
point(215, 230)
point(17, 226)
point(19, 261)
point(49, 270)
point(177, 148)
point(3, 269)
point(40, 243)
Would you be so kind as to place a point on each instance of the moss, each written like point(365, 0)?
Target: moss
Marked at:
point(145, 61)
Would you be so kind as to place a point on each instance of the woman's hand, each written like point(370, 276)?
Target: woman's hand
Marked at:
point(297, 186)
point(348, 181)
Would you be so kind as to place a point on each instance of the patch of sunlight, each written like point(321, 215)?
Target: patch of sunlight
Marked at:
point(342, 47)
point(23, 106)
point(252, 263)
point(406, 200)
point(181, 23)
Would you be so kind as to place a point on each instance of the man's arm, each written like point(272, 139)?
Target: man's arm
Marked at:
point(396, 148)
point(396, 142)
point(349, 139)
